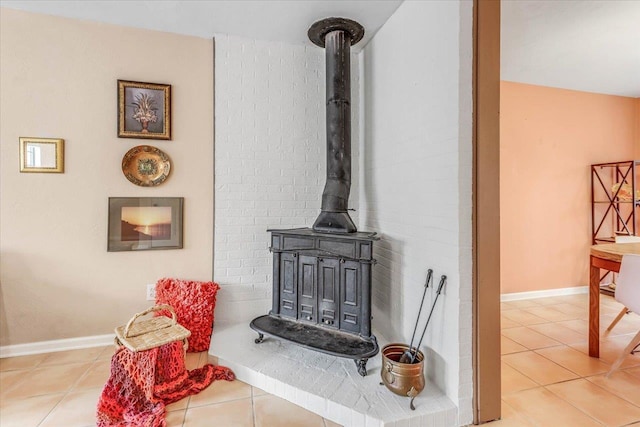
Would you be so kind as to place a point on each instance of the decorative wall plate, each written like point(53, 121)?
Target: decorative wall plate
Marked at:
point(146, 166)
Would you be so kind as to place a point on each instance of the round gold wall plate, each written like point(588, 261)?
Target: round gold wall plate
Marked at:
point(146, 166)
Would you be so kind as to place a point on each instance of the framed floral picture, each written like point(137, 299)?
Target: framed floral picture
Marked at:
point(144, 110)
point(145, 223)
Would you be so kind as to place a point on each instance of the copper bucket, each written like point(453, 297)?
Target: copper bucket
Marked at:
point(404, 379)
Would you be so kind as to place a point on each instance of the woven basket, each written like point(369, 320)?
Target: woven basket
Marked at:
point(140, 335)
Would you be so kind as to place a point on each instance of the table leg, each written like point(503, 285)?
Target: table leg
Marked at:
point(594, 310)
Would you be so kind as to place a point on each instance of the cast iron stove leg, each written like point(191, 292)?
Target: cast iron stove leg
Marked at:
point(259, 339)
point(362, 366)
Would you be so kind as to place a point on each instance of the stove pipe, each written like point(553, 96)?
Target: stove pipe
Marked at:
point(337, 35)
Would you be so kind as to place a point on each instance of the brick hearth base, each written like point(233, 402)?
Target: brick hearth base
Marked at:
point(327, 385)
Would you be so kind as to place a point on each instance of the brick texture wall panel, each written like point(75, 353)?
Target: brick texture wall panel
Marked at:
point(416, 180)
point(270, 154)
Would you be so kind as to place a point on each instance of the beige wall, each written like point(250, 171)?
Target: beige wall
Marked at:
point(58, 79)
point(548, 138)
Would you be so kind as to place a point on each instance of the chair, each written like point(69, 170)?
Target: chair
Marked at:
point(625, 310)
point(628, 294)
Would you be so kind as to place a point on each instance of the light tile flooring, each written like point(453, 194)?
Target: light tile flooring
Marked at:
point(62, 389)
point(547, 379)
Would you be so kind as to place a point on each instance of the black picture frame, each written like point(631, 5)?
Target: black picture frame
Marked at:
point(145, 223)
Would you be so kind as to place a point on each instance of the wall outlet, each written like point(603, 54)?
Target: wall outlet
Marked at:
point(151, 292)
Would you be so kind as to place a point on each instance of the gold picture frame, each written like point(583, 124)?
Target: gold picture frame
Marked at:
point(144, 110)
point(41, 155)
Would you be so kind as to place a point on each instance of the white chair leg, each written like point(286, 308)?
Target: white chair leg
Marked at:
point(620, 315)
point(634, 342)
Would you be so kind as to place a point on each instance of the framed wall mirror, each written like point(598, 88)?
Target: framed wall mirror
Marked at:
point(42, 155)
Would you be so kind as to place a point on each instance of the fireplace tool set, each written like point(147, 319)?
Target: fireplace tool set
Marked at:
point(403, 366)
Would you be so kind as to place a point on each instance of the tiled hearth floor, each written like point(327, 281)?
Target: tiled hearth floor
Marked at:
point(547, 379)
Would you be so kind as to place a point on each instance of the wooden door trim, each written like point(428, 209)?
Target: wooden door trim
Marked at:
point(486, 211)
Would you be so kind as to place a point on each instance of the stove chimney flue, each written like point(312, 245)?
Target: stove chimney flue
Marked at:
point(337, 35)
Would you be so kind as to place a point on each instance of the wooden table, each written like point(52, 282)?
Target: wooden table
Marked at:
point(607, 256)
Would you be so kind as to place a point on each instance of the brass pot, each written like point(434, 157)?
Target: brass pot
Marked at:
point(404, 379)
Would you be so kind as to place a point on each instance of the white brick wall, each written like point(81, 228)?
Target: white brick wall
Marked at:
point(270, 160)
point(465, 218)
point(416, 185)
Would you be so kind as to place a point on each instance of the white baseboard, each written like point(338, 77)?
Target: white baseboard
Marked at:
point(55, 345)
point(546, 293)
point(102, 340)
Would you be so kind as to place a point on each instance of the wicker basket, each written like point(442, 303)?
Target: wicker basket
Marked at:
point(154, 332)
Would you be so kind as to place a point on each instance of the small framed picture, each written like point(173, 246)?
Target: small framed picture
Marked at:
point(41, 155)
point(145, 223)
point(144, 110)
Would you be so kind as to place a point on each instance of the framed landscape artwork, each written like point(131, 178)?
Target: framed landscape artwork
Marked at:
point(145, 223)
point(144, 110)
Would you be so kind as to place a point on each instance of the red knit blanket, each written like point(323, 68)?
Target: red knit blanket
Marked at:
point(143, 383)
point(194, 303)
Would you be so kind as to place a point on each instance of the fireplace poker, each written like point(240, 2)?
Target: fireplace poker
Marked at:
point(443, 279)
point(406, 356)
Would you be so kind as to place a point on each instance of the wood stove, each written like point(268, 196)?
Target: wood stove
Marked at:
point(322, 275)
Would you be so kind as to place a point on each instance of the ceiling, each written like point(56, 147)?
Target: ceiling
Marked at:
point(278, 20)
point(592, 46)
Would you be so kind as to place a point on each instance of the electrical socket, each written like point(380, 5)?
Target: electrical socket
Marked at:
point(151, 292)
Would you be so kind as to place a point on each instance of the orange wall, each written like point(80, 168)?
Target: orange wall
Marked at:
point(637, 143)
point(548, 139)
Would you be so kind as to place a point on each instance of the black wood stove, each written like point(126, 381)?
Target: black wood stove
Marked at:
point(322, 275)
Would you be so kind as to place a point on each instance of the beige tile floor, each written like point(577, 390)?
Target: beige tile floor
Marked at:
point(62, 389)
point(547, 379)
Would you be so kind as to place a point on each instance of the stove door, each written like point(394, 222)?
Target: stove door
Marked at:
point(328, 291)
point(307, 288)
point(288, 285)
point(350, 296)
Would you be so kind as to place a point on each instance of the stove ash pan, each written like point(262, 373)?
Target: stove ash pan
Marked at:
point(322, 293)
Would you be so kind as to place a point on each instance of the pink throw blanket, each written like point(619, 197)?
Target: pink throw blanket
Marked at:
point(143, 383)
